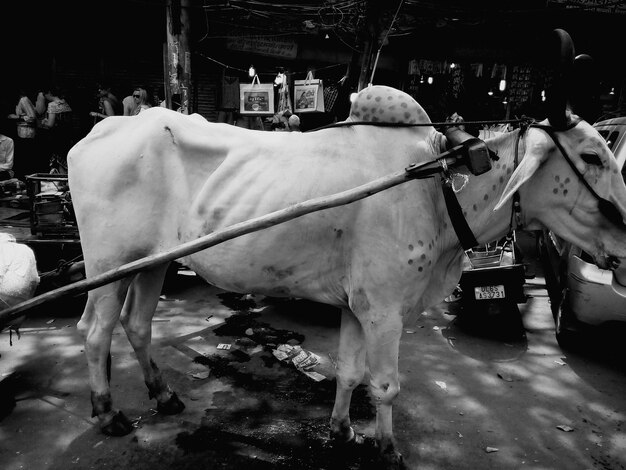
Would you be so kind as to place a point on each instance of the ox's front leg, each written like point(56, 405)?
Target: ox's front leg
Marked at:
point(350, 371)
point(137, 314)
point(96, 324)
point(383, 329)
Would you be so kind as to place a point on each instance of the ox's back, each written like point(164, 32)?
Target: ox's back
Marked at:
point(145, 184)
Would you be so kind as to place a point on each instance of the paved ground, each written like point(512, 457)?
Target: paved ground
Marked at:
point(464, 390)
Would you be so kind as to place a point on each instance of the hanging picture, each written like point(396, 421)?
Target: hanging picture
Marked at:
point(256, 98)
point(308, 95)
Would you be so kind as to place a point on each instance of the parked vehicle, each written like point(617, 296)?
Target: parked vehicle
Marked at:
point(583, 295)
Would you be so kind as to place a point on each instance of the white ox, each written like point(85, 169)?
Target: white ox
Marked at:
point(145, 184)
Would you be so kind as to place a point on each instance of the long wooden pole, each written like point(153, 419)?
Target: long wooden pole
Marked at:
point(422, 170)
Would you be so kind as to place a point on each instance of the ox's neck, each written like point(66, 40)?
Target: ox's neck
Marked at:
point(483, 192)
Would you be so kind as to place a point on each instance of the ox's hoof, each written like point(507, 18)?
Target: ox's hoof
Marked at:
point(359, 446)
point(173, 406)
point(117, 425)
point(392, 461)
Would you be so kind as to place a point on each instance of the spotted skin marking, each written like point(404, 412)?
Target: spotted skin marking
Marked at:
point(485, 197)
point(420, 269)
point(410, 261)
point(561, 185)
point(420, 243)
point(475, 207)
point(411, 247)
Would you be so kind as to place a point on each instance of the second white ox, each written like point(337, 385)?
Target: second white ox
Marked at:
point(145, 184)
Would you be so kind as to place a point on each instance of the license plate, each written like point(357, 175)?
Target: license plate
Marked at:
point(489, 292)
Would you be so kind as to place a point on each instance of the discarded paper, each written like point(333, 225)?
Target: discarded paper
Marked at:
point(286, 352)
point(506, 378)
point(299, 357)
point(314, 375)
point(223, 346)
point(489, 450)
point(305, 359)
point(201, 375)
point(565, 428)
point(441, 385)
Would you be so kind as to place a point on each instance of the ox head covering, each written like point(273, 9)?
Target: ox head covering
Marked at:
point(379, 103)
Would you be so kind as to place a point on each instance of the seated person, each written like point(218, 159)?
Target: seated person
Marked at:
point(6, 158)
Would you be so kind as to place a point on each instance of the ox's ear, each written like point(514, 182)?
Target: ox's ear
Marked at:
point(524, 171)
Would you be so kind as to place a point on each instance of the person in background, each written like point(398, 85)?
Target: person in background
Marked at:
point(156, 97)
point(26, 121)
point(280, 121)
point(6, 157)
point(57, 126)
point(108, 104)
point(129, 106)
point(140, 95)
point(294, 123)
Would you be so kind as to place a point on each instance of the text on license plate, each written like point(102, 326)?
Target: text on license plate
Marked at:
point(489, 292)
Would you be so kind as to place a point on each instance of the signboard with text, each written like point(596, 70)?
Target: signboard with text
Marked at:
point(270, 46)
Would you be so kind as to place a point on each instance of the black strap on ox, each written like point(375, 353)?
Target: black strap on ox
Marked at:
point(478, 160)
point(459, 223)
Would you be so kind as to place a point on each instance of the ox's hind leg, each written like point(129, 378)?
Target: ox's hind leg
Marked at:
point(139, 307)
point(350, 371)
point(101, 314)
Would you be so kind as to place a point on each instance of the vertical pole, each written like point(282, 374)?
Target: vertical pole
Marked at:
point(371, 35)
point(178, 60)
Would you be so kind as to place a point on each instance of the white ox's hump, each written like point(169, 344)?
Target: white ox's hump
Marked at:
point(378, 103)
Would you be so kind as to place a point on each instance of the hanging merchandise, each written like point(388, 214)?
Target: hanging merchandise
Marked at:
point(477, 68)
point(330, 96)
point(521, 85)
point(308, 94)
point(284, 100)
point(456, 81)
point(256, 98)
